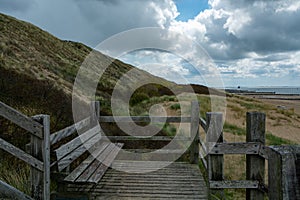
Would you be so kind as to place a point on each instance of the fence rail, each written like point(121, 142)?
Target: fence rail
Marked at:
point(283, 167)
point(39, 156)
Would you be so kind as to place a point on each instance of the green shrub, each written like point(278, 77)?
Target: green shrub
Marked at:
point(137, 98)
point(175, 106)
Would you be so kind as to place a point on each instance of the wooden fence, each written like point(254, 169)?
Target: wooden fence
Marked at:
point(38, 158)
point(283, 161)
point(283, 167)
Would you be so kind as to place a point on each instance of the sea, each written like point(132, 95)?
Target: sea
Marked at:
point(276, 90)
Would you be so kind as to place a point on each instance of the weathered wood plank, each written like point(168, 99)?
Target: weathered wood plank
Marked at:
point(7, 191)
point(40, 148)
point(59, 135)
point(203, 123)
point(194, 133)
point(69, 158)
point(95, 164)
point(234, 184)
point(215, 164)
point(21, 120)
point(85, 164)
point(153, 138)
point(154, 119)
point(19, 153)
point(236, 148)
point(255, 164)
point(284, 172)
point(65, 149)
point(46, 156)
point(98, 174)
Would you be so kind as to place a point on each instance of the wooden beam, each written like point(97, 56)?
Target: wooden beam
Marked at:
point(236, 148)
point(284, 172)
point(21, 120)
point(7, 191)
point(255, 164)
point(146, 119)
point(194, 133)
point(215, 164)
point(40, 149)
point(234, 184)
point(59, 135)
point(19, 153)
point(152, 138)
point(203, 123)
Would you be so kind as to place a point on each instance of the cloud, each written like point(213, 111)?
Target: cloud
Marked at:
point(247, 38)
point(16, 5)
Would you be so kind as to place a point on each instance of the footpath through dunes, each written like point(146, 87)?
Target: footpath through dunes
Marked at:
point(179, 180)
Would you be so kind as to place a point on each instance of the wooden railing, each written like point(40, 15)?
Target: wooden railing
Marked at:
point(38, 158)
point(283, 167)
point(283, 161)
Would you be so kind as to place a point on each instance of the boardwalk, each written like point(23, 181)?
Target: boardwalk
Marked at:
point(176, 181)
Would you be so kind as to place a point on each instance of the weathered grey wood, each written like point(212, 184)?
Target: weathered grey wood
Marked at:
point(236, 148)
point(19, 153)
point(65, 149)
point(85, 164)
point(203, 123)
point(153, 138)
point(215, 164)
point(161, 184)
point(284, 172)
point(265, 152)
point(194, 133)
point(7, 191)
point(84, 177)
point(46, 156)
point(98, 174)
point(37, 177)
point(95, 112)
point(66, 160)
point(59, 135)
point(21, 120)
point(148, 119)
point(255, 165)
point(234, 184)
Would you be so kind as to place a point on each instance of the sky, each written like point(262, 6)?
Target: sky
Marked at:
point(249, 42)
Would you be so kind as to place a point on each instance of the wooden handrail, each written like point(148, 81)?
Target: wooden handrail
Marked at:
point(21, 120)
point(147, 119)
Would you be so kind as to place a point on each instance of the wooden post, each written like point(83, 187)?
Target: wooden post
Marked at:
point(215, 164)
point(40, 148)
point(95, 112)
point(194, 130)
point(255, 165)
point(284, 172)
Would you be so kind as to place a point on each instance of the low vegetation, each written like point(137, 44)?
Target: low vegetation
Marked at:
point(37, 71)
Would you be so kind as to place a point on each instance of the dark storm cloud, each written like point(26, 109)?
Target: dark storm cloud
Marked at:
point(246, 26)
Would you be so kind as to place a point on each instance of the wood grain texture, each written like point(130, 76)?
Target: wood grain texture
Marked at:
point(167, 183)
point(59, 135)
point(153, 138)
point(236, 148)
point(65, 149)
point(19, 153)
point(215, 163)
point(21, 120)
point(73, 155)
point(148, 119)
point(7, 191)
point(255, 164)
point(194, 133)
point(100, 171)
point(234, 184)
point(85, 164)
